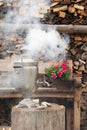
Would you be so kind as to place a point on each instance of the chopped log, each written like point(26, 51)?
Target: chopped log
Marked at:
point(84, 39)
point(62, 14)
point(84, 47)
point(75, 67)
point(78, 7)
point(54, 4)
point(71, 9)
point(83, 62)
point(50, 118)
point(84, 56)
point(76, 63)
point(78, 72)
point(78, 43)
point(73, 51)
point(82, 13)
point(78, 38)
point(82, 68)
point(62, 8)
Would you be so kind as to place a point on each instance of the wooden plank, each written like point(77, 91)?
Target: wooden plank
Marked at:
point(52, 93)
point(11, 95)
point(80, 29)
point(54, 90)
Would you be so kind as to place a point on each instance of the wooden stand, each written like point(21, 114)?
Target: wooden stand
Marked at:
point(50, 118)
point(74, 94)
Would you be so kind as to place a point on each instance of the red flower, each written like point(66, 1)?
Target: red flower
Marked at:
point(60, 73)
point(54, 76)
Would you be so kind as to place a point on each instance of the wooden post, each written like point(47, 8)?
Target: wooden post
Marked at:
point(77, 97)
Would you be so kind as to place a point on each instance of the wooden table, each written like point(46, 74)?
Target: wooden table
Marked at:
point(74, 94)
point(10, 92)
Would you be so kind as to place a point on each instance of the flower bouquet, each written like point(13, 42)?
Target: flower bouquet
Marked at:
point(61, 70)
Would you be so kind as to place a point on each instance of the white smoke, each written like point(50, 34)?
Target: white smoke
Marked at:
point(39, 43)
point(47, 44)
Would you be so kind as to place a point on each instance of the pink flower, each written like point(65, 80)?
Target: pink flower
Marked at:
point(64, 65)
point(55, 66)
point(54, 76)
point(60, 73)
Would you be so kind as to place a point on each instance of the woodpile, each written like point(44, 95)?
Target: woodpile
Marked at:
point(57, 12)
point(78, 52)
point(68, 12)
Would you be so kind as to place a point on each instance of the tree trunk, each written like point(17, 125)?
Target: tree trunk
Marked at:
point(50, 118)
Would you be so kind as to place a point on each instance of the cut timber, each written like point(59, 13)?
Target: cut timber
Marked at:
point(54, 4)
point(57, 9)
point(62, 14)
point(71, 9)
point(82, 13)
point(78, 7)
point(50, 118)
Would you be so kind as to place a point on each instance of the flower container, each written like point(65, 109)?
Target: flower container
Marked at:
point(62, 85)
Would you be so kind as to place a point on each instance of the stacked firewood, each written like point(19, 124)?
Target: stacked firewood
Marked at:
point(57, 12)
point(68, 12)
point(78, 52)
